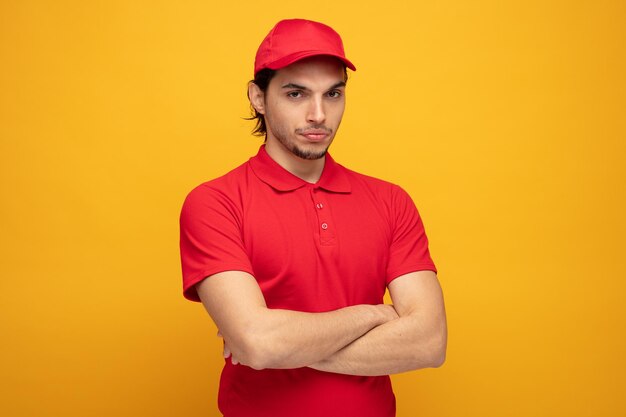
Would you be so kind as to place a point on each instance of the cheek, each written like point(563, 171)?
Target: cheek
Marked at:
point(280, 121)
point(285, 115)
point(337, 114)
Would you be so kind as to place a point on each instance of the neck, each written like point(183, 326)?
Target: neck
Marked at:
point(309, 170)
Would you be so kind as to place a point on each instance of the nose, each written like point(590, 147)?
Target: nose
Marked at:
point(316, 113)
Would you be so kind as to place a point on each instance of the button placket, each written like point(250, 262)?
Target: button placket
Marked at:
point(327, 234)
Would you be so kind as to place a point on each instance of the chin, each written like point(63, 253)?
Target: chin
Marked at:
point(310, 154)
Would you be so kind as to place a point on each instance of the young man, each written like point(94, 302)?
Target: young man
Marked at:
point(291, 253)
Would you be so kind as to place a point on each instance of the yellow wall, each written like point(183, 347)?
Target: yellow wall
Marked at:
point(504, 120)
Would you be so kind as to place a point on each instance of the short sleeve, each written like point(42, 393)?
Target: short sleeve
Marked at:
point(409, 247)
point(210, 238)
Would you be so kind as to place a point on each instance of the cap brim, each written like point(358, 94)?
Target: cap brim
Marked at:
point(290, 59)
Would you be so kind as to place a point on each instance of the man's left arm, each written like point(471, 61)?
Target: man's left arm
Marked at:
point(417, 339)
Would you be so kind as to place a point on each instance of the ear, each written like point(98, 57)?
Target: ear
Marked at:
point(256, 97)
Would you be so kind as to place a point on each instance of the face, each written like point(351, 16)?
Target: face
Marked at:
point(303, 106)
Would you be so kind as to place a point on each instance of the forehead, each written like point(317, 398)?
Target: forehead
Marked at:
point(317, 69)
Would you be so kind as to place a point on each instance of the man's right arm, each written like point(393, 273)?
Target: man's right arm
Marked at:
point(260, 337)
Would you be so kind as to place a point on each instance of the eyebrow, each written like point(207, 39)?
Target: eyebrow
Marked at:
point(301, 87)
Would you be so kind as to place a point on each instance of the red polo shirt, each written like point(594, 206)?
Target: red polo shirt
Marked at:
point(313, 248)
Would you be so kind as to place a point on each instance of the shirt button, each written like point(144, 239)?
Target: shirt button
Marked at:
point(324, 226)
point(319, 206)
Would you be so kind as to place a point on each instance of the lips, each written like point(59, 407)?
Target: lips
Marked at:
point(315, 135)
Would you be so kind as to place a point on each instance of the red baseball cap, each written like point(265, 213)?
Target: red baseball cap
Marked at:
point(295, 39)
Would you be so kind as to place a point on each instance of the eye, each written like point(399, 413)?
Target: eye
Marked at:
point(334, 94)
point(294, 94)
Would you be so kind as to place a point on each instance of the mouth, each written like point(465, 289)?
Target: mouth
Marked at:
point(315, 135)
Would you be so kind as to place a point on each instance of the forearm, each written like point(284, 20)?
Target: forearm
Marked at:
point(284, 339)
point(401, 345)
point(261, 337)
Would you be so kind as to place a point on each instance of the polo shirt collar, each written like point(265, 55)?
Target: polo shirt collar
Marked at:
point(333, 177)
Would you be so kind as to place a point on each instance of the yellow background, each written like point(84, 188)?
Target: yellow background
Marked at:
point(505, 120)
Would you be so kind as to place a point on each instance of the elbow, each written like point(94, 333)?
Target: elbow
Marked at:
point(261, 347)
point(258, 352)
point(251, 358)
point(433, 351)
point(252, 353)
point(433, 358)
point(256, 362)
point(438, 349)
point(438, 358)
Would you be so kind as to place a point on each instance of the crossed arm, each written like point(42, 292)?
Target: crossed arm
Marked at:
point(356, 340)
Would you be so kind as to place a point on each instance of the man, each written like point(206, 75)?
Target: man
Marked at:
point(291, 253)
